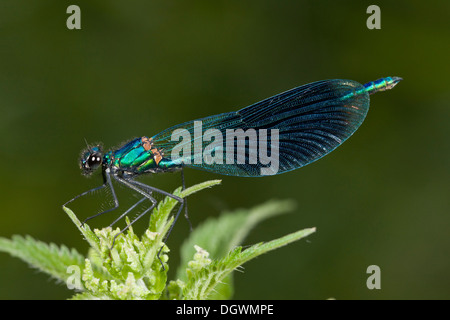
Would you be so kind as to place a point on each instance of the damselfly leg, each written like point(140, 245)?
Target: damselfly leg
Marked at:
point(182, 201)
point(140, 187)
point(106, 183)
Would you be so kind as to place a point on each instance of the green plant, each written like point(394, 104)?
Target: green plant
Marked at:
point(131, 269)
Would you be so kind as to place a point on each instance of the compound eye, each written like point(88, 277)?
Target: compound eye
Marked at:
point(91, 159)
point(94, 161)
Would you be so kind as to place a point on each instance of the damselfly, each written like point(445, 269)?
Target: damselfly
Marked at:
point(298, 127)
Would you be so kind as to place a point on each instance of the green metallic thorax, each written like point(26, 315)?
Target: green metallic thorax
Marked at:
point(136, 158)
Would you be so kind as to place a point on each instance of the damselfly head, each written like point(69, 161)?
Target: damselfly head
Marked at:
point(91, 159)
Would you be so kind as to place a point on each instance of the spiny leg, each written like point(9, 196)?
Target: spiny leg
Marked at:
point(147, 195)
point(180, 200)
point(85, 193)
point(108, 182)
point(130, 183)
point(126, 212)
point(146, 186)
point(154, 202)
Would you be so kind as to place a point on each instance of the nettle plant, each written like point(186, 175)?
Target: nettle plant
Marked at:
point(132, 269)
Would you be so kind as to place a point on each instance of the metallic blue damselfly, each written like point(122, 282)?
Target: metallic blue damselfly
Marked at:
point(305, 124)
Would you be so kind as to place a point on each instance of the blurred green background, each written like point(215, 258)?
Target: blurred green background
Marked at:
point(138, 67)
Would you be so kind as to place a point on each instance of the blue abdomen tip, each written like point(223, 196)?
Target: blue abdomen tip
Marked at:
point(382, 84)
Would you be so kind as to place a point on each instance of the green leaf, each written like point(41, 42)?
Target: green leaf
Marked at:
point(159, 220)
point(220, 235)
point(203, 281)
point(48, 258)
point(85, 230)
point(165, 207)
